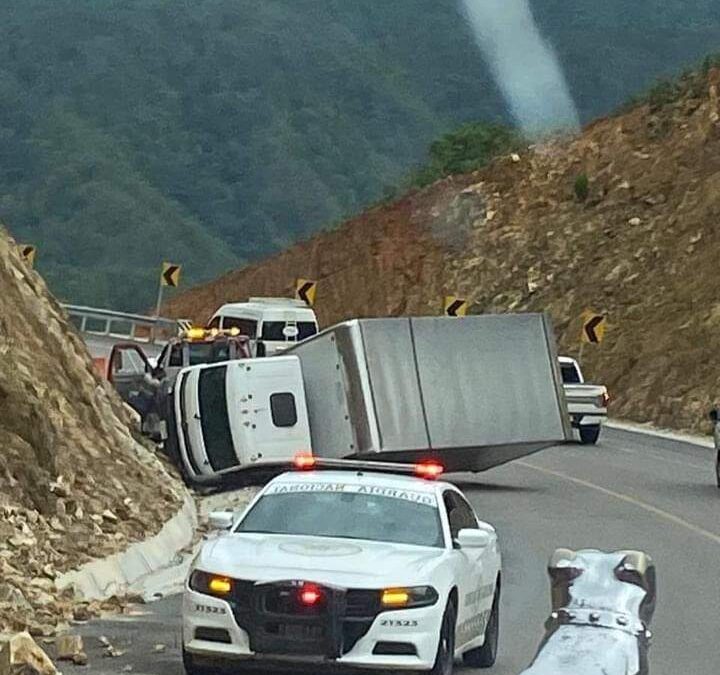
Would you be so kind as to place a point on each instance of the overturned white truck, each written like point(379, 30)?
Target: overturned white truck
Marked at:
point(472, 393)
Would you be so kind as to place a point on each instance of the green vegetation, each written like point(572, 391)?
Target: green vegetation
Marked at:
point(582, 187)
point(666, 91)
point(469, 148)
point(213, 132)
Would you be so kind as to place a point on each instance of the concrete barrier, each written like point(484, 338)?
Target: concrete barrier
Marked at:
point(100, 579)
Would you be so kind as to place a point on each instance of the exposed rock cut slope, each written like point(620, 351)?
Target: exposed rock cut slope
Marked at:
point(74, 484)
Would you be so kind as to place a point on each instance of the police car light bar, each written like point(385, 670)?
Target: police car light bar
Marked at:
point(305, 461)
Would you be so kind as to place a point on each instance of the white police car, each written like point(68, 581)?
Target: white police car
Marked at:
point(359, 568)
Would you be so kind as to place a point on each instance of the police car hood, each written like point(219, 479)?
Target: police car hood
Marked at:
point(334, 561)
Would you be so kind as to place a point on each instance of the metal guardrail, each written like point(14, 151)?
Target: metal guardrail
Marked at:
point(124, 325)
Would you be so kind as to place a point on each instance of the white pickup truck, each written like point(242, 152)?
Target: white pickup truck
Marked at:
point(587, 403)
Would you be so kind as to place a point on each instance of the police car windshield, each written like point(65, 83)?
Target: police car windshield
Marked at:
point(348, 512)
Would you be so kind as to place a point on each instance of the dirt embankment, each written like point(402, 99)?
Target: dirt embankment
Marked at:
point(641, 246)
point(74, 484)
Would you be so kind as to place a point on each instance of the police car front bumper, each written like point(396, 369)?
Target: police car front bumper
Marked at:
point(217, 631)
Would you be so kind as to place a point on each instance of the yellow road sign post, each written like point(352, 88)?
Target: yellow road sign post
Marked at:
point(169, 276)
point(593, 330)
point(27, 251)
point(454, 306)
point(305, 290)
point(594, 326)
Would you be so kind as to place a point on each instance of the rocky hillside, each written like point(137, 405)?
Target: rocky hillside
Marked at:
point(637, 240)
point(74, 484)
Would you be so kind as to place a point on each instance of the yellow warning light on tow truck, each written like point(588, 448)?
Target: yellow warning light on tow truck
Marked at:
point(209, 333)
point(195, 334)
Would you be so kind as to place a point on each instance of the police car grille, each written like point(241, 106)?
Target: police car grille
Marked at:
point(362, 604)
point(361, 608)
point(242, 595)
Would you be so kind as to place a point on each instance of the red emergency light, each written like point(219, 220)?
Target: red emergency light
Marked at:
point(305, 461)
point(429, 470)
point(310, 595)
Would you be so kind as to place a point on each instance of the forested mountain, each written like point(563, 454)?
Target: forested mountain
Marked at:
point(211, 132)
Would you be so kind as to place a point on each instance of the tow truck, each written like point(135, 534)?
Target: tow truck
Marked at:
point(148, 386)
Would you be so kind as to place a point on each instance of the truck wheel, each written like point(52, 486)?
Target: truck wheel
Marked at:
point(485, 656)
point(589, 434)
point(172, 449)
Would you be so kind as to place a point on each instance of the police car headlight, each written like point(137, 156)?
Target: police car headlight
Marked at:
point(210, 584)
point(407, 598)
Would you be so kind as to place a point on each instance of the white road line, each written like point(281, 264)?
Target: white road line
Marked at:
point(667, 434)
point(656, 455)
point(660, 513)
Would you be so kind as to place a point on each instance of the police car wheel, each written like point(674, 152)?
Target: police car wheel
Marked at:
point(485, 656)
point(445, 657)
point(192, 667)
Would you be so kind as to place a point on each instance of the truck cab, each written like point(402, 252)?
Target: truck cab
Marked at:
point(246, 414)
point(147, 384)
point(271, 324)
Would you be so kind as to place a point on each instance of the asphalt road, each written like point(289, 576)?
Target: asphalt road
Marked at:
point(630, 491)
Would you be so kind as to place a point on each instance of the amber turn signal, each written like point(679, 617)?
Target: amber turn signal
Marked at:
point(220, 585)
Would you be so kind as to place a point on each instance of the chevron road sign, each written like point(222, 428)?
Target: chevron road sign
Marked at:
point(28, 253)
point(170, 275)
point(305, 290)
point(454, 306)
point(593, 327)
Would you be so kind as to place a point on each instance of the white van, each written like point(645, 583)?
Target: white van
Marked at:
point(272, 324)
point(239, 415)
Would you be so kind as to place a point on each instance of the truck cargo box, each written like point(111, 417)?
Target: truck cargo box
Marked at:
point(473, 393)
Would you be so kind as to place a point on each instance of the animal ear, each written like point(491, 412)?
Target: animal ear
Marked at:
point(635, 568)
point(562, 570)
point(561, 555)
point(561, 567)
point(638, 568)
